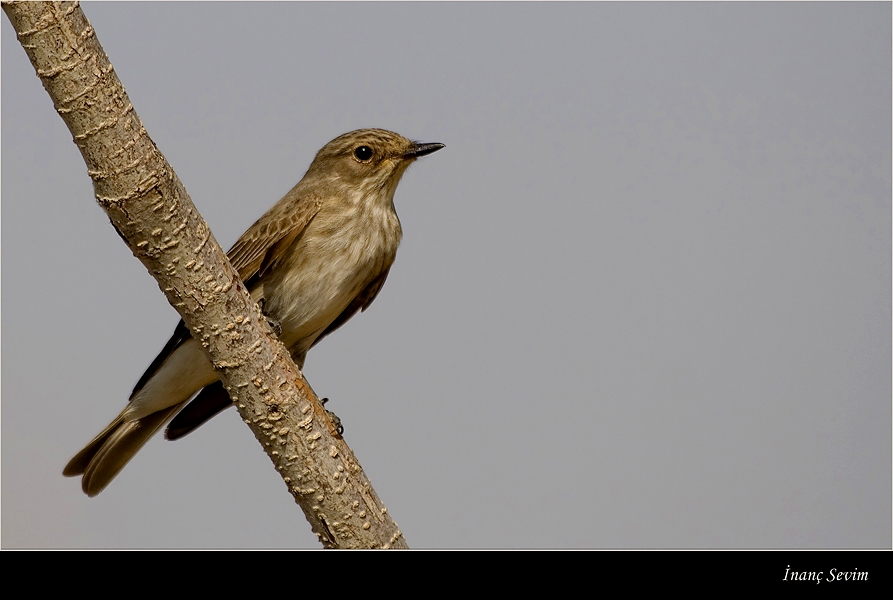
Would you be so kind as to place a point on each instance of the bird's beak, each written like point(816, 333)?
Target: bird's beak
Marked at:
point(418, 149)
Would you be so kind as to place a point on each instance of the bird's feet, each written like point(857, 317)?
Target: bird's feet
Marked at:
point(335, 418)
point(274, 324)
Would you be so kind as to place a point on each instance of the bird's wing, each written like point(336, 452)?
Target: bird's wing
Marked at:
point(210, 401)
point(361, 302)
point(181, 334)
point(252, 255)
point(214, 398)
point(265, 242)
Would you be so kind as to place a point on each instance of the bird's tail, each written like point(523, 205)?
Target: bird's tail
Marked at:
point(102, 459)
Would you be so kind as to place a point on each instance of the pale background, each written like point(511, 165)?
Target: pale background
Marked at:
point(643, 297)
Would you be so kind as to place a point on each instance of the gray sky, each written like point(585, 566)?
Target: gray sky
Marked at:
point(643, 297)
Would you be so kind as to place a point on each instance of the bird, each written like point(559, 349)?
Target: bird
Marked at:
point(316, 258)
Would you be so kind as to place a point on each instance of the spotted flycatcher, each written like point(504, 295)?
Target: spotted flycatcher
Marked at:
point(321, 254)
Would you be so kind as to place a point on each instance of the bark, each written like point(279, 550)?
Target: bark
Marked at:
point(152, 212)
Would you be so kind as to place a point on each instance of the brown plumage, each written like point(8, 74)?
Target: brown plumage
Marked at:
point(321, 254)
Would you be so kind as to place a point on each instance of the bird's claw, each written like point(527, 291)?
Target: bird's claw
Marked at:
point(275, 325)
point(336, 420)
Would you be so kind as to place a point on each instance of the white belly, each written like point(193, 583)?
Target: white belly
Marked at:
point(326, 269)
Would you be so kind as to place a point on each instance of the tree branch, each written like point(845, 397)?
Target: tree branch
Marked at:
point(151, 210)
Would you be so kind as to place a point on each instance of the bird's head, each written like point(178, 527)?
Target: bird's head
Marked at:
point(370, 160)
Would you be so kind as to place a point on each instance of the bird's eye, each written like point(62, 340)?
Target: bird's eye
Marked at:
point(363, 153)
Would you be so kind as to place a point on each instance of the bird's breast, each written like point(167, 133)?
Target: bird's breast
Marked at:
point(336, 257)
